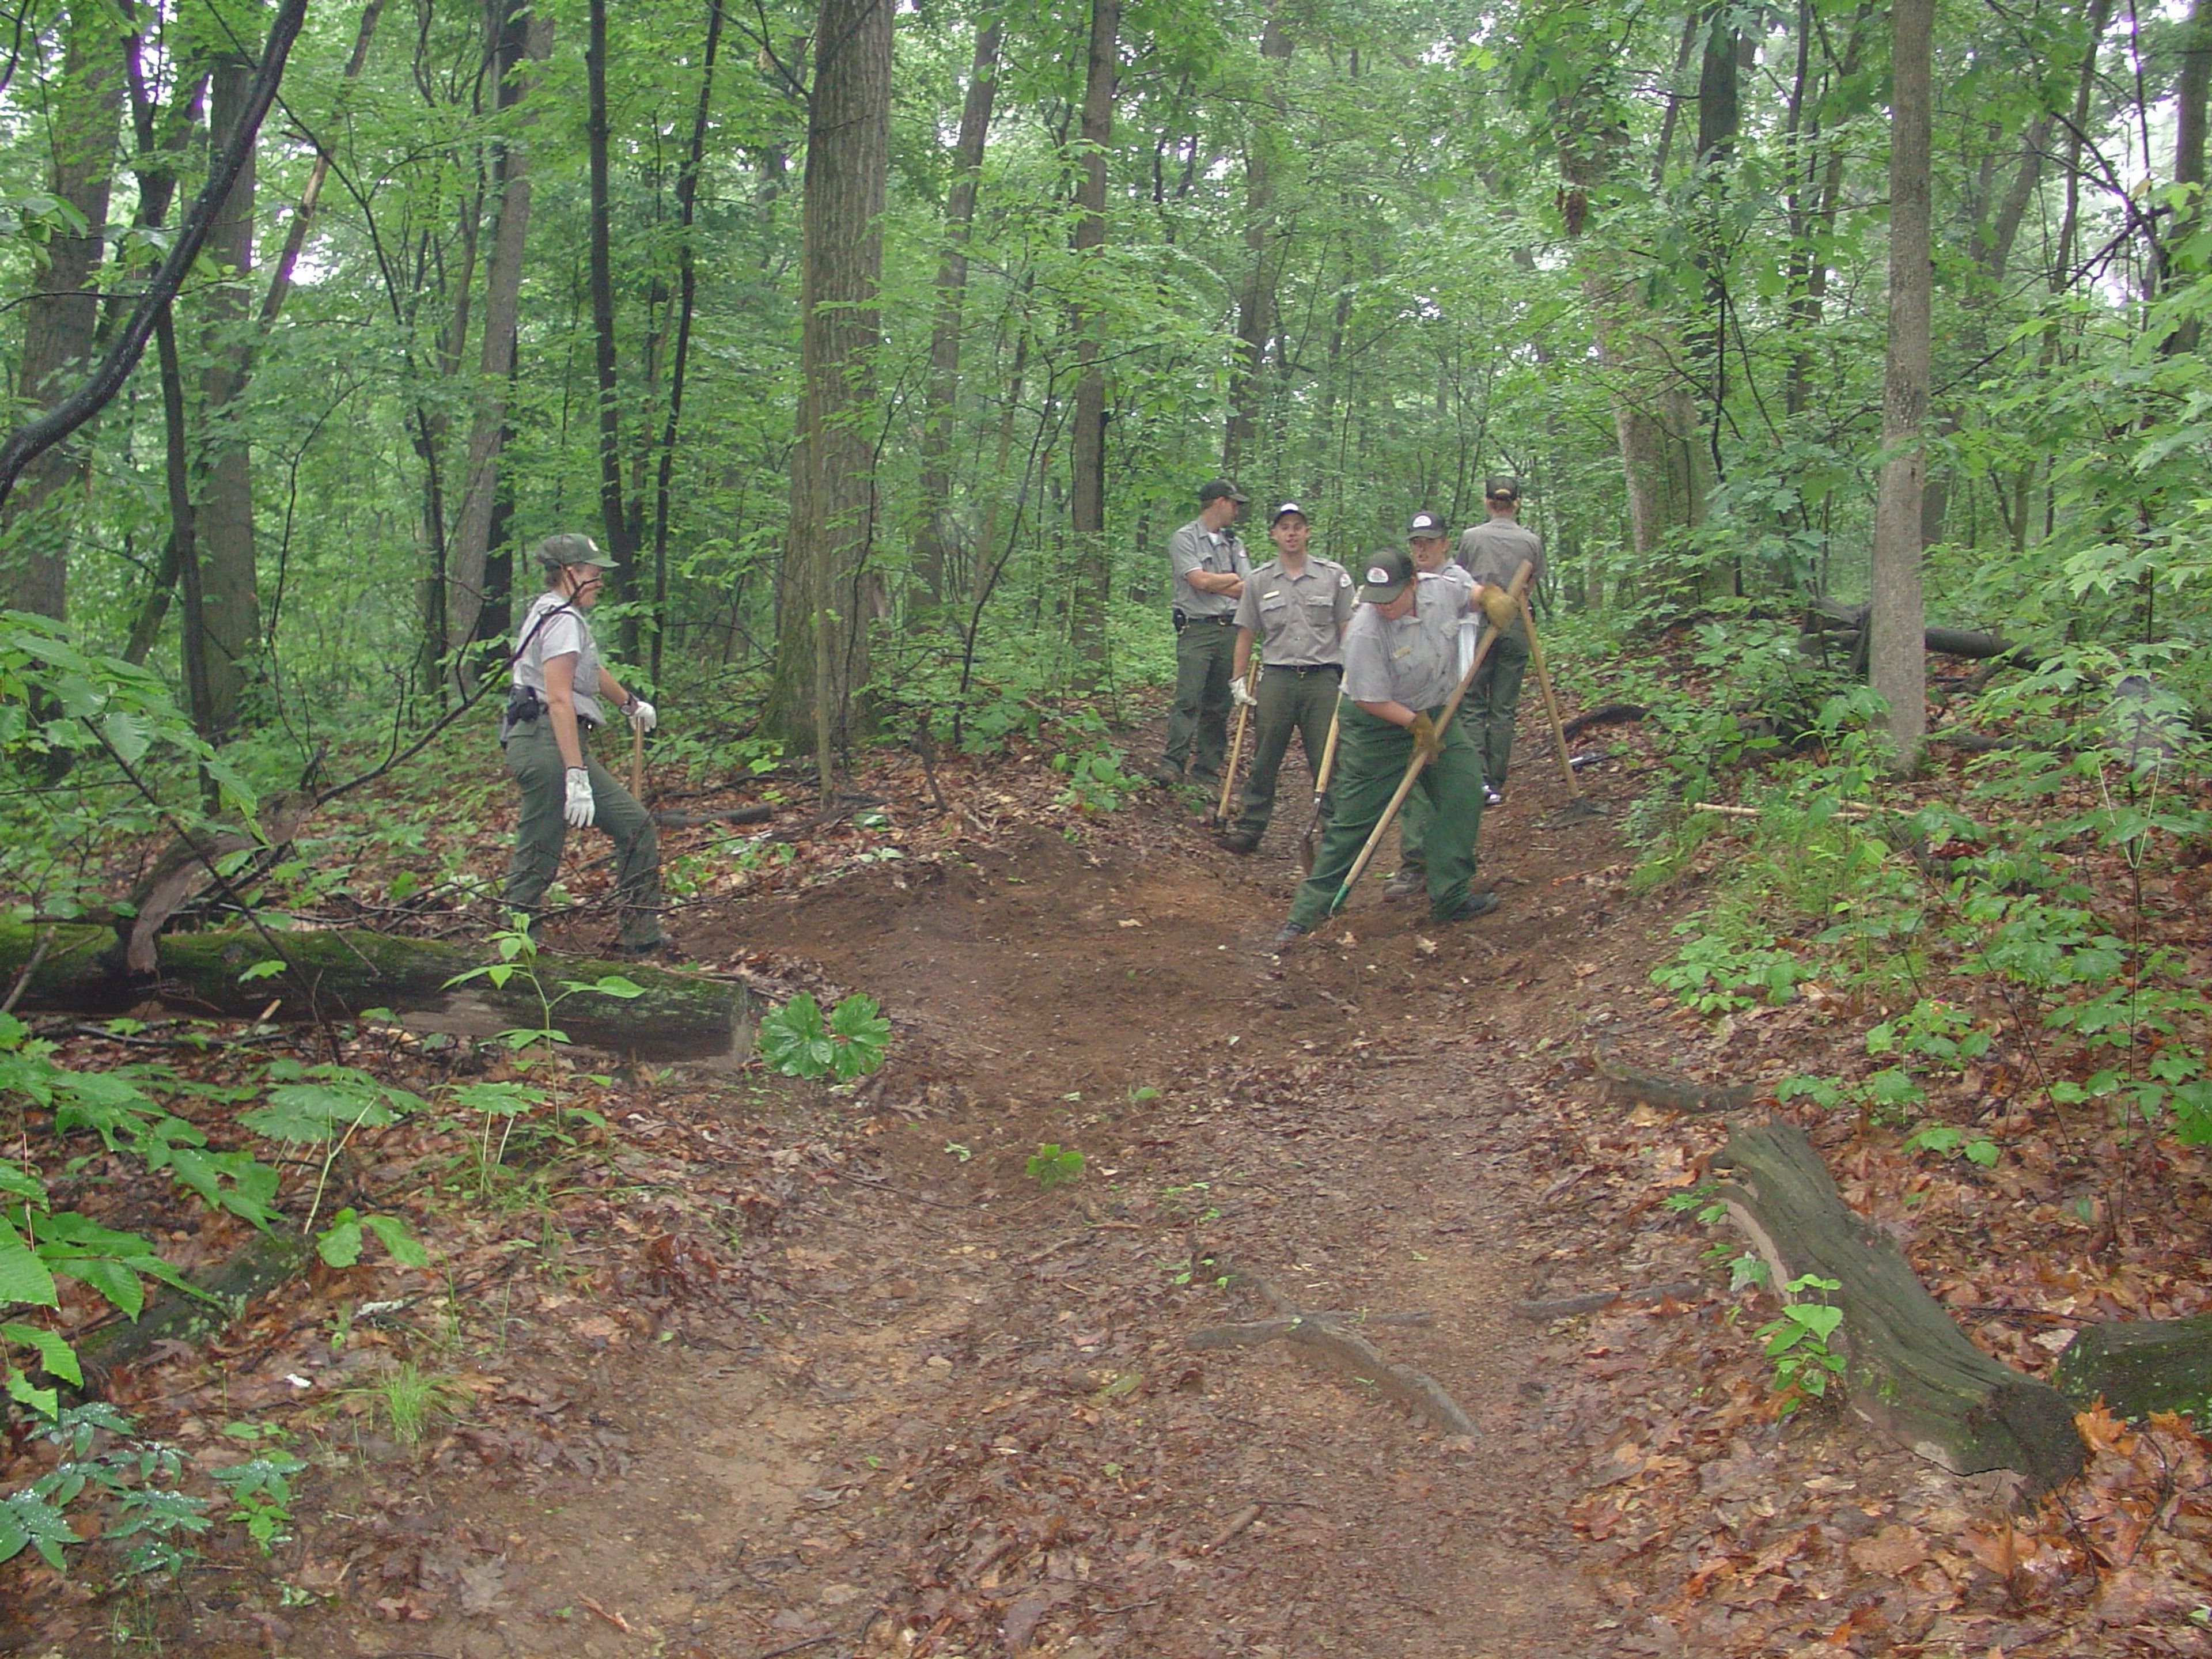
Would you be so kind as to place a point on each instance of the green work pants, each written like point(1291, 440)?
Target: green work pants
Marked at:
point(1198, 725)
point(1494, 701)
point(1371, 758)
point(1414, 816)
point(534, 758)
point(1288, 702)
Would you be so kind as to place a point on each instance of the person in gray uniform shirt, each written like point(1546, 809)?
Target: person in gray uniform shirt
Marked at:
point(1400, 656)
point(1491, 552)
point(557, 692)
point(1297, 604)
point(1210, 567)
point(1430, 544)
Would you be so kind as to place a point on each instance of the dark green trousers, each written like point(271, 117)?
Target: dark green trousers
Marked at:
point(1198, 725)
point(1493, 702)
point(534, 758)
point(1371, 757)
point(1288, 702)
point(1414, 816)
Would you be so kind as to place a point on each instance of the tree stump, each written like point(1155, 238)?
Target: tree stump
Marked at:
point(1910, 1371)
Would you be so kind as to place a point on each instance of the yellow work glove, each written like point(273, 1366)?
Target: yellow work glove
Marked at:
point(1498, 605)
point(1426, 744)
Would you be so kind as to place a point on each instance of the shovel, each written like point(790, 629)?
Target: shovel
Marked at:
point(1321, 788)
point(1237, 744)
point(1514, 591)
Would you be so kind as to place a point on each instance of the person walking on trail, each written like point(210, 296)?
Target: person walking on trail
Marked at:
point(1297, 604)
point(1491, 551)
point(1400, 654)
point(1430, 544)
point(558, 691)
point(1210, 568)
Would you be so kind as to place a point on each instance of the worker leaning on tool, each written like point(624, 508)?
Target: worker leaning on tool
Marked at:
point(1209, 566)
point(1491, 552)
point(1430, 544)
point(1400, 661)
point(1297, 605)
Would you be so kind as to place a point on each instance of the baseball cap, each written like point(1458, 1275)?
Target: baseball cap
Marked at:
point(1220, 489)
point(570, 547)
point(1388, 573)
point(1425, 527)
point(1287, 506)
point(1503, 484)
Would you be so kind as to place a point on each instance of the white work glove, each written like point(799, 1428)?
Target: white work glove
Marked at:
point(578, 808)
point(642, 714)
point(1240, 695)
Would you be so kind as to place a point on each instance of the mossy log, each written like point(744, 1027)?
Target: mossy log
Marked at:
point(341, 973)
point(2138, 1367)
point(1910, 1370)
point(267, 1260)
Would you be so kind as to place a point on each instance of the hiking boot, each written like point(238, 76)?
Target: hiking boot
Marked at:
point(1241, 840)
point(1475, 904)
point(1290, 935)
point(1163, 778)
point(1409, 880)
point(1493, 797)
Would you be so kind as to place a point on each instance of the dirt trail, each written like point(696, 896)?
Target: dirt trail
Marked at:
point(976, 1427)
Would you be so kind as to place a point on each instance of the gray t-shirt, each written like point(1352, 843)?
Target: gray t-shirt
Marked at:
point(1493, 550)
point(1194, 547)
point(1413, 660)
point(1299, 618)
point(553, 627)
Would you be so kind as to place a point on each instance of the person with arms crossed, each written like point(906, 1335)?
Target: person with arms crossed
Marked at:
point(1296, 606)
point(1209, 565)
point(557, 692)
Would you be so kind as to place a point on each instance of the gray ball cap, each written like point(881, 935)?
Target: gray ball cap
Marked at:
point(1220, 489)
point(571, 547)
point(1503, 484)
point(1425, 527)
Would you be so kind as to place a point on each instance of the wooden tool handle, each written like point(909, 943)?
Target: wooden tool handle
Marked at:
point(1551, 703)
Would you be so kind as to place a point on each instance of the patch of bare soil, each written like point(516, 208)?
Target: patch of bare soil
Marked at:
point(944, 1410)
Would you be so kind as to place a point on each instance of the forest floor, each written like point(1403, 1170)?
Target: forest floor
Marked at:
point(777, 1368)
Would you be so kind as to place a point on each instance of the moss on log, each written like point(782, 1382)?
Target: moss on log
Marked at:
point(343, 972)
point(2138, 1367)
point(266, 1260)
point(1910, 1370)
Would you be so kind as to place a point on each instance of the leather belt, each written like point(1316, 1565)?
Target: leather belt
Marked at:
point(1305, 668)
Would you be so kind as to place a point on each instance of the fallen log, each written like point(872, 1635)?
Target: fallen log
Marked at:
point(2138, 1367)
point(1606, 714)
point(1910, 1370)
point(266, 1260)
point(1667, 1089)
point(341, 973)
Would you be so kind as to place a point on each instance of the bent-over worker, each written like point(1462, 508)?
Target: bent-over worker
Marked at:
point(1491, 551)
point(1400, 654)
point(559, 691)
point(1297, 604)
point(1210, 568)
point(1430, 544)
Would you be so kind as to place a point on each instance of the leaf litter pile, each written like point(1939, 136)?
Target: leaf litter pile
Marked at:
point(732, 1364)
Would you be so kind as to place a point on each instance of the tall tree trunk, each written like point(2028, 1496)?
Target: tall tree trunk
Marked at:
point(612, 519)
point(503, 305)
point(1898, 663)
point(62, 311)
point(177, 468)
point(932, 536)
point(687, 294)
point(2188, 97)
point(822, 630)
point(1087, 438)
point(1255, 305)
point(225, 508)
